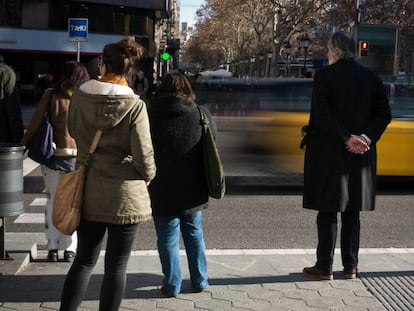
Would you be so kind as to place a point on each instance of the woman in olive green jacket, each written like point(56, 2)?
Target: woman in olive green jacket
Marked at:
point(116, 198)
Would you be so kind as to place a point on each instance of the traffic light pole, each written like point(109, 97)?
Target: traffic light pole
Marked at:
point(275, 41)
point(357, 19)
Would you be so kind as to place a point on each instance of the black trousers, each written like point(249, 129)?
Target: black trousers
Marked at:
point(119, 243)
point(327, 224)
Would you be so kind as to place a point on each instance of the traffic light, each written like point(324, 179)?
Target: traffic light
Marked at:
point(363, 48)
point(165, 56)
point(173, 45)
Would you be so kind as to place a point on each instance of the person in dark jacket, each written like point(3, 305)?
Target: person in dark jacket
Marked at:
point(11, 123)
point(349, 113)
point(179, 191)
point(139, 83)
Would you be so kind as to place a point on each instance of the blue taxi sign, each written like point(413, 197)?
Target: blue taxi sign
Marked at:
point(78, 29)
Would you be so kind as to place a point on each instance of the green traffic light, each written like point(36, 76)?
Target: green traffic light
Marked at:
point(165, 56)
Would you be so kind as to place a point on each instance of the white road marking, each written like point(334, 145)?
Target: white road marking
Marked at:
point(39, 202)
point(30, 218)
point(28, 166)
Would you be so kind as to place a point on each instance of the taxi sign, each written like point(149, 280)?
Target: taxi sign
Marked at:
point(78, 29)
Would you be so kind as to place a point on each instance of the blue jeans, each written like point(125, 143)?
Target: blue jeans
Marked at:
point(168, 233)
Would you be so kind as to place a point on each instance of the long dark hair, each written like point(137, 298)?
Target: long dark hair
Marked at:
point(176, 84)
point(73, 75)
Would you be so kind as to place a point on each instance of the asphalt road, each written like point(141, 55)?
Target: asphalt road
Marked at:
point(260, 217)
point(268, 221)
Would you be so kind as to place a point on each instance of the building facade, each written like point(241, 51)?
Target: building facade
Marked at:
point(34, 35)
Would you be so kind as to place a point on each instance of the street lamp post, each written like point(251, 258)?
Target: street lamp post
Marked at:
point(277, 20)
point(245, 62)
point(261, 58)
point(241, 67)
point(304, 42)
point(252, 60)
point(288, 48)
point(268, 63)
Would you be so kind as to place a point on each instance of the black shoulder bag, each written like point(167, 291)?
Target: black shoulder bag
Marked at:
point(212, 164)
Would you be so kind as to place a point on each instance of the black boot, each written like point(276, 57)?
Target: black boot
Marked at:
point(68, 256)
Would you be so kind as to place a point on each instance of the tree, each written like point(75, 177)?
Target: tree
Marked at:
point(232, 30)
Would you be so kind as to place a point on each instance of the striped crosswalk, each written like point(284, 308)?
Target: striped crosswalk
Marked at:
point(29, 226)
point(29, 166)
point(32, 217)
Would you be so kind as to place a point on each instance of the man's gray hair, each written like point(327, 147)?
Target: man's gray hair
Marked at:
point(342, 43)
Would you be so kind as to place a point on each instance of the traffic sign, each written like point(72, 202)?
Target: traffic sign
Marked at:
point(78, 29)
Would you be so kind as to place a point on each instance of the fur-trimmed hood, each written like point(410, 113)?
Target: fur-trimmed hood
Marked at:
point(115, 189)
point(104, 104)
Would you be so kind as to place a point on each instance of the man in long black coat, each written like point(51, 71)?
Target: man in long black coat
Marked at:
point(349, 113)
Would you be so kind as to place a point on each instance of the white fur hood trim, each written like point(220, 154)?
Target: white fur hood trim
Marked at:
point(96, 87)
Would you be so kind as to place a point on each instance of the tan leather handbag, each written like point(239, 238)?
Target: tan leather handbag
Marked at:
point(67, 205)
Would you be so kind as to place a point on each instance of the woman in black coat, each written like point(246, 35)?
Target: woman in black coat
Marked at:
point(349, 113)
point(179, 191)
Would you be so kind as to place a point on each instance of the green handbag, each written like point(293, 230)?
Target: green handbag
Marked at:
point(213, 168)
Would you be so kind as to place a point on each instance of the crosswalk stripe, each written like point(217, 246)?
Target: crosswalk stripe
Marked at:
point(14, 238)
point(30, 218)
point(39, 202)
point(28, 166)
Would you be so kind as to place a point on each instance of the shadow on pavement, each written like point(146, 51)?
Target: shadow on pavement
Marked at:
point(48, 287)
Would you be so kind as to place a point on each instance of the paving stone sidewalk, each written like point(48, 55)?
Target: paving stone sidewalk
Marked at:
point(239, 280)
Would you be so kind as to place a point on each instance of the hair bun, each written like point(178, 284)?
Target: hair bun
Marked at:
point(120, 56)
point(132, 48)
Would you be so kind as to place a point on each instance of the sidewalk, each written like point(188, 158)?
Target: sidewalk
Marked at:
point(239, 280)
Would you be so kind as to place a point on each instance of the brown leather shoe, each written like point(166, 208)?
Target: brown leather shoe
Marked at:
point(350, 273)
point(315, 272)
